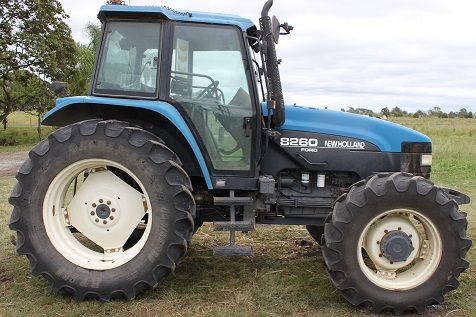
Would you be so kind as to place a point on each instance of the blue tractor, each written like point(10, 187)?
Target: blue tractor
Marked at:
point(185, 123)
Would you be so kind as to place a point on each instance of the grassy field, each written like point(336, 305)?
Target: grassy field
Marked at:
point(282, 279)
point(21, 131)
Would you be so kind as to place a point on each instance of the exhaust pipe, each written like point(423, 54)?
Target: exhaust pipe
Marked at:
point(274, 79)
point(267, 6)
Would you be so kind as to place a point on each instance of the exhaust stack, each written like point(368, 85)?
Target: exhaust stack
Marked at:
point(272, 65)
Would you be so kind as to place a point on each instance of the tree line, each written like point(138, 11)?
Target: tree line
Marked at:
point(435, 112)
point(37, 48)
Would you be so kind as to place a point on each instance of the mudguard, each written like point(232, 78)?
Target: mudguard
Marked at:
point(163, 108)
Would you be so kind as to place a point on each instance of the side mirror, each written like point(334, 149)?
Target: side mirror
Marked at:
point(60, 88)
point(276, 27)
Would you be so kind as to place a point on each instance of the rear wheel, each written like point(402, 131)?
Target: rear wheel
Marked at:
point(395, 243)
point(82, 195)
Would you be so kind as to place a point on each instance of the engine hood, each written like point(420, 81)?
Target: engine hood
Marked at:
point(387, 136)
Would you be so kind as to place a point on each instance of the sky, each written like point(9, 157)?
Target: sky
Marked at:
point(415, 54)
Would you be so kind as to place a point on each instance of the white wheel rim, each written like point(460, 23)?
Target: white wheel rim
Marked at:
point(106, 233)
point(420, 264)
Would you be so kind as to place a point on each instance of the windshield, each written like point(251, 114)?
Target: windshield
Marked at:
point(129, 60)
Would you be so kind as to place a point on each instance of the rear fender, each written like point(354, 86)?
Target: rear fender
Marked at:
point(62, 114)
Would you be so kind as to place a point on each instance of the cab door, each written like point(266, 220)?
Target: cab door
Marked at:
point(209, 81)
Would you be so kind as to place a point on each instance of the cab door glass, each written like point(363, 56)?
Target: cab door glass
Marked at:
point(209, 80)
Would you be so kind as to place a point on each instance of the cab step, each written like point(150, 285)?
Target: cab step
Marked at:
point(233, 250)
point(233, 201)
point(243, 226)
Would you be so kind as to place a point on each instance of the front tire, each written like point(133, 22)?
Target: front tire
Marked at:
point(316, 233)
point(395, 243)
point(75, 233)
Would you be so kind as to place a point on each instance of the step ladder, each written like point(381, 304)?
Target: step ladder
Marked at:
point(248, 224)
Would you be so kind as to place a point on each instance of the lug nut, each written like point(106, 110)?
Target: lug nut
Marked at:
point(108, 202)
point(399, 228)
point(104, 222)
point(410, 236)
point(94, 205)
point(113, 209)
point(92, 213)
point(380, 255)
point(386, 231)
point(378, 242)
point(101, 201)
point(97, 220)
point(112, 218)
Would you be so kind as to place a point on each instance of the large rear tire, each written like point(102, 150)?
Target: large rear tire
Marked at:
point(395, 243)
point(74, 233)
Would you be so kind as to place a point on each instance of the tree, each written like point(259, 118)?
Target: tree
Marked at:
point(396, 112)
point(470, 115)
point(463, 113)
point(33, 38)
point(38, 98)
point(385, 112)
point(78, 83)
point(435, 112)
point(419, 114)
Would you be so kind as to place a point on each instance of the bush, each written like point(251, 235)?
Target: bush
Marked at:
point(22, 136)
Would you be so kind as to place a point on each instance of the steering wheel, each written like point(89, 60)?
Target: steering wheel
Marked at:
point(208, 91)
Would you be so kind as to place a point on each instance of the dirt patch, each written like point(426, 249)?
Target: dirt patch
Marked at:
point(11, 162)
point(3, 275)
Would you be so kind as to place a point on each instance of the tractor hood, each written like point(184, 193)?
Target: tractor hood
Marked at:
point(387, 136)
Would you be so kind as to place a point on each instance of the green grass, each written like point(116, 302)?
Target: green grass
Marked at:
point(22, 119)
point(282, 279)
point(21, 131)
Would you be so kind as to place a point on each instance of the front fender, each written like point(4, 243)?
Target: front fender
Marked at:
point(56, 115)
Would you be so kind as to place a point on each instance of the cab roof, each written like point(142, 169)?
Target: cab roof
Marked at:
point(175, 15)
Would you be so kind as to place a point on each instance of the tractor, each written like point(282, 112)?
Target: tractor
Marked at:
point(185, 123)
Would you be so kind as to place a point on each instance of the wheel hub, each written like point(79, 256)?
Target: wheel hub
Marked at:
point(396, 246)
point(391, 242)
point(103, 211)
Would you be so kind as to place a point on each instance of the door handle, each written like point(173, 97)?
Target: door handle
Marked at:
point(247, 127)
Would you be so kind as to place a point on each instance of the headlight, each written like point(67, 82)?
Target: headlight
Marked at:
point(426, 159)
point(416, 158)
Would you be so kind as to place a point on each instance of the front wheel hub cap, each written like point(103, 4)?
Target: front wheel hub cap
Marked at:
point(103, 211)
point(396, 246)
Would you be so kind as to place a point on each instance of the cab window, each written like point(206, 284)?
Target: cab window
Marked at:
point(129, 60)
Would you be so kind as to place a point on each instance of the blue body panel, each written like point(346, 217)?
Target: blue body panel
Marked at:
point(387, 136)
point(165, 109)
point(199, 17)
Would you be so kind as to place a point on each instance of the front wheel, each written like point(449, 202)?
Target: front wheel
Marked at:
point(316, 232)
point(395, 243)
point(82, 195)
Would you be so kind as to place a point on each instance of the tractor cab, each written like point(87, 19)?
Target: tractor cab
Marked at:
point(199, 63)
